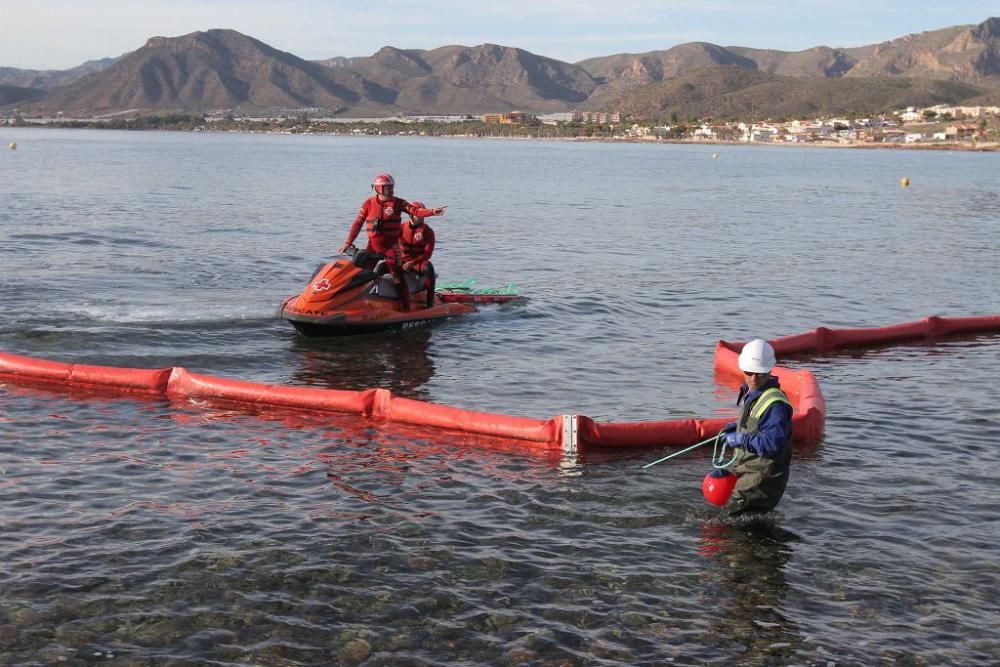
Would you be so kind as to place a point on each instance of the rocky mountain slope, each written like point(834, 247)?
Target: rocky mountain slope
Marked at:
point(49, 78)
point(216, 69)
point(225, 70)
point(461, 80)
point(735, 92)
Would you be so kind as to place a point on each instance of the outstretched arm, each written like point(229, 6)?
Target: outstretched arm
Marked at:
point(418, 212)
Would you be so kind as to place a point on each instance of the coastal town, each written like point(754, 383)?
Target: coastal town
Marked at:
point(940, 126)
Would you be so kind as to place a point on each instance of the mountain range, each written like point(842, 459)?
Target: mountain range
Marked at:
point(224, 70)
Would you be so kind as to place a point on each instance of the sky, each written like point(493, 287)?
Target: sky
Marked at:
point(60, 34)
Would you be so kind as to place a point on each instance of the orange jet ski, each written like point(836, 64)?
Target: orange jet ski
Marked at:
point(349, 296)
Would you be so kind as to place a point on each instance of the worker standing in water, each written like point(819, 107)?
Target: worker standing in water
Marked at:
point(762, 436)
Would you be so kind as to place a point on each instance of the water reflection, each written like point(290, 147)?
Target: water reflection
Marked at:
point(398, 361)
point(745, 572)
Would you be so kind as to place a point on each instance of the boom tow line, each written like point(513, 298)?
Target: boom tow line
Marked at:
point(718, 453)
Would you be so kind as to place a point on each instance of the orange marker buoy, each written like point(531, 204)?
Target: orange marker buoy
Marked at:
point(717, 486)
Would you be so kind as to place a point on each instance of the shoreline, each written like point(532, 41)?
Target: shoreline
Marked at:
point(980, 147)
point(977, 147)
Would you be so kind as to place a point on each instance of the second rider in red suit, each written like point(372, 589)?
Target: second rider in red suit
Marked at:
point(417, 245)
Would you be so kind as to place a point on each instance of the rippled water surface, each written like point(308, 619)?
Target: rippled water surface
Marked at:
point(142, 532)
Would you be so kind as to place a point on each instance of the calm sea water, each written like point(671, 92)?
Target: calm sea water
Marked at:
point(140, 532)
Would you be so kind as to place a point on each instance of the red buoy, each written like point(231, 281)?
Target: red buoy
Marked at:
point(718, 486)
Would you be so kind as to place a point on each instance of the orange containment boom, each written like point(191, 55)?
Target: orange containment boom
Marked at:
point(568, 435)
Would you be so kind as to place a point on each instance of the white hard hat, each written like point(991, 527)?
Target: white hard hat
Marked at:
point(757, 356)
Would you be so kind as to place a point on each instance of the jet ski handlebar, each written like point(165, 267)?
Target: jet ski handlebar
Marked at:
point(364, 258)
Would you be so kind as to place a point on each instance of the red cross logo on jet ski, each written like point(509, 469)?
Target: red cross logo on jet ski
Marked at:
point(321, 285)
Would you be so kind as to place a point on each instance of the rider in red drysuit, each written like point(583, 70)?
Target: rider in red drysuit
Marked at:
point(417, 245)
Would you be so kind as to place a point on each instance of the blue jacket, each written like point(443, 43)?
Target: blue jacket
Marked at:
point(774, 427)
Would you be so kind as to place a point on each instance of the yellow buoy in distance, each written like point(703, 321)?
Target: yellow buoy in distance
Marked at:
point(715, 155)
point(13, 146)
point(905, 182)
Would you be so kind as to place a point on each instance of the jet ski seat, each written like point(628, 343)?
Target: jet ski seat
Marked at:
point(385, 286)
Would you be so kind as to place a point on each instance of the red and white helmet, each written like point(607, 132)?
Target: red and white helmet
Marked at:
point(380, 181)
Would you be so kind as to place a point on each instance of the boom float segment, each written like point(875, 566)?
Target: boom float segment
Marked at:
point(570, 434)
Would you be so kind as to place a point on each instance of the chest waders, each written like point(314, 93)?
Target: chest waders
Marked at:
point(761, 480)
